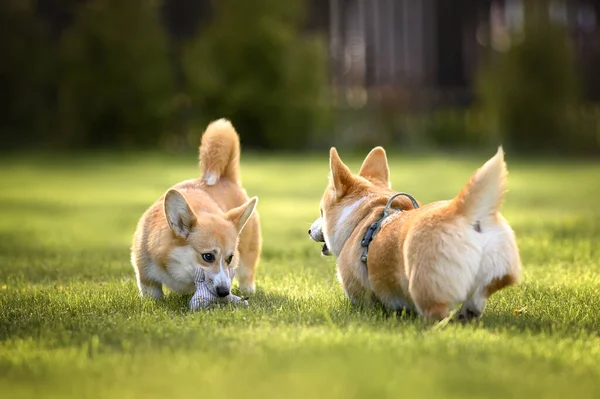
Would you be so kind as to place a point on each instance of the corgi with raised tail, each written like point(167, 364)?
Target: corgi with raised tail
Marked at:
point(208, 222)
point(427, 259)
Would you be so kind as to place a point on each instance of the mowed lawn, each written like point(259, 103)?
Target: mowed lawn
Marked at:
point(72, 324)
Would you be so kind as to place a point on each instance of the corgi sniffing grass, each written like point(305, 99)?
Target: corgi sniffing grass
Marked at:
point(207, 222)
point(427, 259)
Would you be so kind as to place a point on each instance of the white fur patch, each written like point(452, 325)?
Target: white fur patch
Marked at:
point(486, 189)
point(347, 211)
point(222, 278)
point(337, 237)
point(211, 177)
point(500, 258)
point(500, 254)
point(180, 272)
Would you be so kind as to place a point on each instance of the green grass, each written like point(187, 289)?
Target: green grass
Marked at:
point(71, 324)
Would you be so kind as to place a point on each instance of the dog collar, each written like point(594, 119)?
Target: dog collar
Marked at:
point(375, 226)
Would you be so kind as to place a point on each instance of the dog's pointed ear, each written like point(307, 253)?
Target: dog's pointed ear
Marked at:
point(375, 168)
point(179, 215)
point(341, 176)
point(240, 215)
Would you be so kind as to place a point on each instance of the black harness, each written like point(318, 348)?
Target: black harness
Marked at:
point(375, 226)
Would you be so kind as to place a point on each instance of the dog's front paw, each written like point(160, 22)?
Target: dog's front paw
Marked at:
point(236, 300)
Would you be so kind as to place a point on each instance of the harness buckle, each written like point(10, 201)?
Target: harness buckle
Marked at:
point(368, 237)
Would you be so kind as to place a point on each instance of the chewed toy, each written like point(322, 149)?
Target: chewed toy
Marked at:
point(206, 296)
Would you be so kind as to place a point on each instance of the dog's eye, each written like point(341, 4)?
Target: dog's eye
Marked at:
point(208, 257)
point(228, 260)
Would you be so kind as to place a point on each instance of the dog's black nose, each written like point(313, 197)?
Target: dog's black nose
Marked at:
point(308, 231)
point(222, 291)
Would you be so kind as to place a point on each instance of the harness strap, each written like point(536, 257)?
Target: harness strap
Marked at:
point(376, 226)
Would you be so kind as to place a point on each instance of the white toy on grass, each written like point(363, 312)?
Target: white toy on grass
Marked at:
point(205, 295)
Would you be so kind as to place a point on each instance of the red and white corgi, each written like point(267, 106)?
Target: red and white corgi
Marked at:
point(429, 259)
point(207, 221)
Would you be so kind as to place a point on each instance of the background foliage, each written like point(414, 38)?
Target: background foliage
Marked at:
point(532, 93)
point(254, 65)
point(115, 80)
point(116, 77)
point(26, 74)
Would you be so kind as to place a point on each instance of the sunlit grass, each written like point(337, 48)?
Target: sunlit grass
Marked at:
point(71, 324)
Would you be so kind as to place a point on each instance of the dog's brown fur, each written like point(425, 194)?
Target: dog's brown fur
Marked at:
point(429, 259)
point(209, 214)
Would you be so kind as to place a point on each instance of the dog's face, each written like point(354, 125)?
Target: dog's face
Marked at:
point(211, 240)
point(344, 194)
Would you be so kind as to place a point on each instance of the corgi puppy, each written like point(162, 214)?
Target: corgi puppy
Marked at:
point(426, 259)
point(207, 222)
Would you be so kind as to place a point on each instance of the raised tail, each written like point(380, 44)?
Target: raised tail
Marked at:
point(220, 153)
point(482, 196)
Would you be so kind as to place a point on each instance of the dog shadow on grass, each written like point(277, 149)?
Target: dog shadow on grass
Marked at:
point(284, 309)
point(530, 325)
point(261, 301)
point(339, 313)
point(534, 324)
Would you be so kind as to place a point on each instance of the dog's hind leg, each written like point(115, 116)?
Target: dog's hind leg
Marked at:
point(246, 271)
point(249, 249)
point(500, 267)
point(473, 307)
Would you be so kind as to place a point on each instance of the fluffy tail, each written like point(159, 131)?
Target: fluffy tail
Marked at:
point(220, 153)
point(483, 194)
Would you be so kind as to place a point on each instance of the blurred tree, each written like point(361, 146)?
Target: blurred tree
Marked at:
point(531, 90)
point(26, 75)
point(255, 65)
point(116, 83)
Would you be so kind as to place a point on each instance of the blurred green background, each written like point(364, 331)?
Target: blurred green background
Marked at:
point(302, 75)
